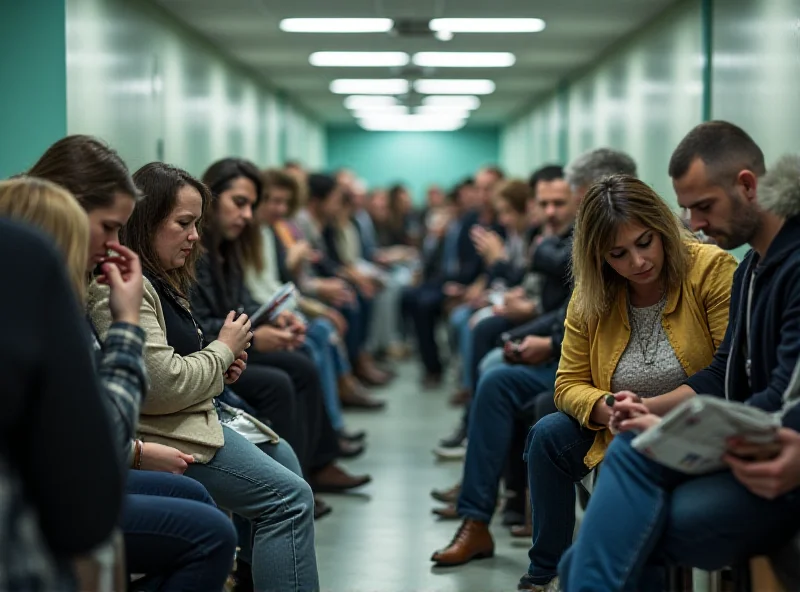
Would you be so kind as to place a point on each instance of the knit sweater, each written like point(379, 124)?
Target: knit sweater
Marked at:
point(179, 409)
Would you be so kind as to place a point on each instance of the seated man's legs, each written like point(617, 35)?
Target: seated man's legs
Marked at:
point(318, 337)
point(654, 514)
point(557, 445)
point(484, 339)
point(425, 311)
point(500, 395)
point(459, 323)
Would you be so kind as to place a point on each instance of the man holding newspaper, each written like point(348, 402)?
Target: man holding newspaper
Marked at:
point(643, 513)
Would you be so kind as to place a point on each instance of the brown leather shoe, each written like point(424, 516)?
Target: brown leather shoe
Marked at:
point(461, 397)
point(353, 394)
point(522, 531)
point(449, 512)
point(369, 373)
point(447, 496)
point(472, 541)
point(334, 479)
point(321, 508)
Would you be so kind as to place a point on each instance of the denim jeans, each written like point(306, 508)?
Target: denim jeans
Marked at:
point(174, 534)
point(277, 502)
point(459, 325)
point(642, 514)
point(501, 394)
point(556, 447)
point(484, 339)
point(357, 316)
point(323, 352)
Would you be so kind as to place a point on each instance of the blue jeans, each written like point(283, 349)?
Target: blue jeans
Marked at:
point(272, 495)
point(459, 324)
point(174, 534)
point(357, 316)
point(556, 447)
point(643, 513)
point(331, 364)
point(501, 395)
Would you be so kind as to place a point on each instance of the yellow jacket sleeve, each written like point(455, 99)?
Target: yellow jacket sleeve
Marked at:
point(716, 293)
point(575, 392)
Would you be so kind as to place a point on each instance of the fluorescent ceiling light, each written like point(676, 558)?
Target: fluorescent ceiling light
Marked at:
point(365, 86)
point(464, 59)
point(487, 25)
point(368, 101)
point(443, 111)
point(373, 112)
point(412, 123)
point(454, 87)
point(443, 35)
point(357, 59)
point(463, 101)
point(336, 25)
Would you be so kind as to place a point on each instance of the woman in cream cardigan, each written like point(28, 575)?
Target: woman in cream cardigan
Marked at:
point(257, 477)
point(649, 309)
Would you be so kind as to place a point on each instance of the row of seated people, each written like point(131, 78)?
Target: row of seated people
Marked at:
point(654, 317)
point(189, 405)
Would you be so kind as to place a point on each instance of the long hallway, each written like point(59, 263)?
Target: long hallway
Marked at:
point(382, 540)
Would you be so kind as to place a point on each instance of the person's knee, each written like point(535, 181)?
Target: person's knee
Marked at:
point(194, 490)
point(547, 435)
point(490, 386)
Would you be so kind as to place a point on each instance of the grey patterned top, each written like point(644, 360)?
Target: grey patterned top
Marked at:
point(648, 366)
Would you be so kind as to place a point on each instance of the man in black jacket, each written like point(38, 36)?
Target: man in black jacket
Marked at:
point(504, 391)
point(654, 513)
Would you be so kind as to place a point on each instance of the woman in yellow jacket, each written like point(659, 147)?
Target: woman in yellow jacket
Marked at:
point(649, 309)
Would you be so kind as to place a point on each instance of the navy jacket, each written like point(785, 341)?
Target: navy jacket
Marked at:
point(767, 295)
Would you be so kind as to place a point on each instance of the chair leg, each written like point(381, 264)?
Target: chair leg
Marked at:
point(762, 576)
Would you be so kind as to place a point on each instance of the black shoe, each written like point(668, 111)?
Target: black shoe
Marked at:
point(456, 439)
point(243, 577)
point(348, 449)
point(357, 436)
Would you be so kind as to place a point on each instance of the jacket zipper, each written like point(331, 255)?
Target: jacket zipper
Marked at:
point(738, 329)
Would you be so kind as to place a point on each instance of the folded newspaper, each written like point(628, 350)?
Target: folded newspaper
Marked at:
point(692, 437)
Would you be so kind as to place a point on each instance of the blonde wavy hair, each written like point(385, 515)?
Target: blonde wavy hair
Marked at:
point(609, 204)
point(58, 214)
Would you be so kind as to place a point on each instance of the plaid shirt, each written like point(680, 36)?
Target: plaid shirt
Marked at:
point(123, 377)
point(25, 562)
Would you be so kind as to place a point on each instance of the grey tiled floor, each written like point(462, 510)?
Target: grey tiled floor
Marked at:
point(381, 541)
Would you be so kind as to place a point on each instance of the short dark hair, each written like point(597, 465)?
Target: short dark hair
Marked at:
point(549, 172)
point(320, 186)
point(159, 184)
point(87, 168)
point(725, 149)
point(496, 171)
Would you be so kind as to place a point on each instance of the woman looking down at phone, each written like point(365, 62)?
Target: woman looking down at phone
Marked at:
point(649, 308)
point(187, 374)
point(173, 532)
point(292, 397)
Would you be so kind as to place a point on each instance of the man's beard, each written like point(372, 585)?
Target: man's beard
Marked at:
point(745, 223)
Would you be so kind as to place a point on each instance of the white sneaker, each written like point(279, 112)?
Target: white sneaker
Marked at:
point(451, 452)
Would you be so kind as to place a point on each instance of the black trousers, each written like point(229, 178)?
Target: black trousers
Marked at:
point(423, 305)
point(284, 387)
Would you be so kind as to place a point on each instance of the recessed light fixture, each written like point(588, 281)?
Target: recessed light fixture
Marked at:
point(412, 123)
point(487, 25)
point(336, 25)
point(365, 86)
point(454, 87)
point(464, 59)
point(369, 101)
point(460, 101)
point(358, 59)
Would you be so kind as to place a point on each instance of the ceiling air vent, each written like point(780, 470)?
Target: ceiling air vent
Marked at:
point(412, 28)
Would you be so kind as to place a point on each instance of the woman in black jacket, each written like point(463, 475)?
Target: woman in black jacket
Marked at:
point(280, 383)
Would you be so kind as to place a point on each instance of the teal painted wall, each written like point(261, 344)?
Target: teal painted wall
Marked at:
point(34, 74)
point(155, 90)
point(417, 159)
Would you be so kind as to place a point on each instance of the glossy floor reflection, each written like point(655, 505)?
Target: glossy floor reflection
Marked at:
point(382, 541)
